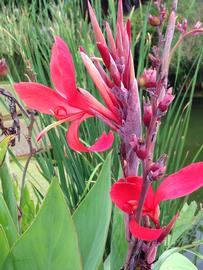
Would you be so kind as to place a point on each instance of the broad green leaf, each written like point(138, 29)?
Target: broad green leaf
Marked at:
point(163, 257)
point(107, 265)
point(184, 221)
point(8, 191)
point(7, 223)
point(4, 246)
point(28, 209)
point(92, 219)
point(3, 148)
point(177, 262)
point(50, 242)
point(119, 245)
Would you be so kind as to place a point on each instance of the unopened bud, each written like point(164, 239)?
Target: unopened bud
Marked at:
point(3, 67)
point(158, 169)
point(148, 78)
point(154, 20)
point(147, 113)
point(141, 150)
point(163, 13)
point(182, 27)
point(166, 101)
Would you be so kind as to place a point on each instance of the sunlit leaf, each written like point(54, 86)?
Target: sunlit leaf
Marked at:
point(92, 219)
point(51, 241)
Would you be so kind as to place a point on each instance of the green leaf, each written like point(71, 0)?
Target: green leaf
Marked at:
point(50, 242)
point(177, 262)
point(184, 222)
point(3, 148)
point(7, 223)
point(92, 219)
point(107, 265)
point(119, 245)
point(163, 257)
point(4, 246)
point(8, 191)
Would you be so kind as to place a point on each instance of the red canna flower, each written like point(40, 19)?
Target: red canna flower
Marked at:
point(125, 194)
point(67, 102)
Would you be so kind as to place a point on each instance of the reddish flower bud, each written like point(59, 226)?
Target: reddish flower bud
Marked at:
point(157, 169)
point(147, 113)
point(3, 67)
point(148, 78)
point(154, 20)
point(182, 27)
point(141, 150)
point(166, 101)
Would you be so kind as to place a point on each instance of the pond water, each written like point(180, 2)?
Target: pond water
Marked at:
point(194, 138)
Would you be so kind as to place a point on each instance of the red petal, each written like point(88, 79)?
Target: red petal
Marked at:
point(123, 193)
point(62, 69)
point(167, 229)
point(98, 80)
point(102, 144)
point(144, 233)
point(97, 30)
point(42, 98)
point(120, 15)
point(181, 183)
point(85, 101)
point(111, 41)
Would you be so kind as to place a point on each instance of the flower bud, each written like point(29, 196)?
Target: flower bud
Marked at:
point(3, 67)
point(182, 27)
point(148, 78)
point(141, 150)
point(158, 169)
point(166, 101)
point(154, 20)
point(147, 113)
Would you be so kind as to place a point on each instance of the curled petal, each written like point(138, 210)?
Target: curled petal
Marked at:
point(62, 69)
point(144, 233)
point(102, 144)
point(42, 98)
point(181, 183)
point(55, 124)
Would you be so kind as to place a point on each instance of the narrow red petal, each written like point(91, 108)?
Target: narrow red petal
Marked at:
point(98, 81)
point(41, 98)
point(181, 183)
point(97, 30)
point(167, 229)
point(143, 233)
point(62, 69)
point(120, 15)
point(104, 53)
point(111, 41)
point(102, 144)
point(85, 101)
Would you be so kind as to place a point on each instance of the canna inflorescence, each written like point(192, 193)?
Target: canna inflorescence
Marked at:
point(114, 77)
